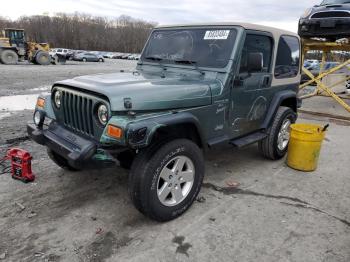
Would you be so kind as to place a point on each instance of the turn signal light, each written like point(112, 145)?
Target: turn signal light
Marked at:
point(114, 131)
point(40, 102)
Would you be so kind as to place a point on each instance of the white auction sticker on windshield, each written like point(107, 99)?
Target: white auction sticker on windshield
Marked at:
point(216, 34)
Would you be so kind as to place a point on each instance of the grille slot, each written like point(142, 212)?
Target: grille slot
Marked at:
point(78, 112)
point(336, 14)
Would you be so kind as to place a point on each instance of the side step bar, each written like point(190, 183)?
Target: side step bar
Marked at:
point(249, 139)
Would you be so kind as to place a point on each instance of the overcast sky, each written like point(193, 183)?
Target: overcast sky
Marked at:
point(279, 13)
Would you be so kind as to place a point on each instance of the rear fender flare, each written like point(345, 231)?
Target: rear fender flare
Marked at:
point(276, 102)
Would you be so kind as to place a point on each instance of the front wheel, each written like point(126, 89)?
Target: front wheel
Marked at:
point(8, 57)
point(42, 58)
point(165, 179)
point(84, 59)
point(275, 145)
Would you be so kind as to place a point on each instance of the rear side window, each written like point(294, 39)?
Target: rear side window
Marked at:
point(288, 57)
point(255, 43)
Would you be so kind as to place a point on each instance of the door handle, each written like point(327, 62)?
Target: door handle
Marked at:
point(266, 81)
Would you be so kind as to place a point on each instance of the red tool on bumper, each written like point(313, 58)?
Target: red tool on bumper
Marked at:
point(21, 165)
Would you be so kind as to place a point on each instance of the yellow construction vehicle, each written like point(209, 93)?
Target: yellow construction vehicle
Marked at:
point(14, 48)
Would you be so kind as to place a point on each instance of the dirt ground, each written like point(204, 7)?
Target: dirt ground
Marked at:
point(276, 213)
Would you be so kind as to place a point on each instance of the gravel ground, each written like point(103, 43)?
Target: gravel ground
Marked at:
point(28, 78)
point(276, 213)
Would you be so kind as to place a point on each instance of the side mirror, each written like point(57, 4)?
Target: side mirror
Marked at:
point(255, 62)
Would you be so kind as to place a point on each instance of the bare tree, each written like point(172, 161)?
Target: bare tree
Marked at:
point(83, 31)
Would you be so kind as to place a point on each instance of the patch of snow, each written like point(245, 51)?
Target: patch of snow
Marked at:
point(18, 102)
point(41, 88)
point(4, 115)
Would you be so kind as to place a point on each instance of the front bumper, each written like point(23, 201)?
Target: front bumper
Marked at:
point(328, 27)
point(80, 153)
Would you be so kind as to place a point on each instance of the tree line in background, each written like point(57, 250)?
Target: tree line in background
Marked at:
point(84, 32)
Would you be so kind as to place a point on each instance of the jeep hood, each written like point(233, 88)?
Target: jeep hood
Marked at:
point(149, 92)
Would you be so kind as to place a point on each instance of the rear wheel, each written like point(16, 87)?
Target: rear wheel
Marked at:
point(275, 145)
point(60, 161)
point(8, 57)
point(165, 179)
point(84, 59)
point(100, 60)
point(43, 58)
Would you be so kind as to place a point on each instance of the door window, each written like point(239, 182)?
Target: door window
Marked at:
point(255, 43)
point(288, 57)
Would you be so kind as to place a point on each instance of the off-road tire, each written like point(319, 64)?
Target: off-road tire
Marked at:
point(145, 172)
point(60, 161)
point(126, 159)
point(42, 58)
point(268, 147)
point(8, 57)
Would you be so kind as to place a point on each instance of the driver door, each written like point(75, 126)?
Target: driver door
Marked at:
point(250, 89)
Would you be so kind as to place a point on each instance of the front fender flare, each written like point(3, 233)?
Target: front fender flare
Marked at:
point(153, 124)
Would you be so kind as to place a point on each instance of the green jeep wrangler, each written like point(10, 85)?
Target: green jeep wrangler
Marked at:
point(194, 87)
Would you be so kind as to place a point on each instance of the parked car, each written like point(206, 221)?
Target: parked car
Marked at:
point(134, 57)
point(70, 54)
point(59, 51)
point(125, 56)
point(159, 122)
point(315, 70)
point(88, 57)
point(118, 56)
point(330, 19)
point(311, 64)
point(108, 55)
point(348, 86)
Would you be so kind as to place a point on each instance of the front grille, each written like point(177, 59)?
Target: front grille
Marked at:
point(77, 112)
point(331, 14)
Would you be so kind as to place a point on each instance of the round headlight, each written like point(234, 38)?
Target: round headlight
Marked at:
point(57, 98)
point(37, 118)
point(102, 113)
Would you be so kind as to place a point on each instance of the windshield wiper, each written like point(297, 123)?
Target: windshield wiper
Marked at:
point(157, 59)
point(154, 58)
point(190, 62)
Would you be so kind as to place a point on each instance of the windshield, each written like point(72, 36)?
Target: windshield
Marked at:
point(334, 2)
point(198, 47)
